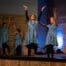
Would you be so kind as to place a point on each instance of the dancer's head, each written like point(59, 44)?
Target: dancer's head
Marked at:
point(52, 20)
point(18, 31)
point(33, 17)
point(4, 24)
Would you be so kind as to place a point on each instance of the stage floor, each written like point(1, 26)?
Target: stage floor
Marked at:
point(57, 58)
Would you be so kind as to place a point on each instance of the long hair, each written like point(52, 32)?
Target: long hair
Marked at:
point(54, 20)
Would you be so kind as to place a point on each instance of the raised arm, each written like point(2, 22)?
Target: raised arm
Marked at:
point(42, 9)
point(43, 25)
point(39, 16)
point(26, 12)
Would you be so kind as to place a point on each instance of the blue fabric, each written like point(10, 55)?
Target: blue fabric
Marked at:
point(31, 36)
point(0, 38)
point(4, 34)
point(52, 35)
point(18, 40)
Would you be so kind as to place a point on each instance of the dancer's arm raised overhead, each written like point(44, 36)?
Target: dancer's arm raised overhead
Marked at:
point(42, 9)
point(26, 12)
point(44, 25)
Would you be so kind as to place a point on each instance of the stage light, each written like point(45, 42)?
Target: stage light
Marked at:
point(60, 37)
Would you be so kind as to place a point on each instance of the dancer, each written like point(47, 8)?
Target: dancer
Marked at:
point(51, 39)
point(18, 43)
point(5, 39)
point(31, 39)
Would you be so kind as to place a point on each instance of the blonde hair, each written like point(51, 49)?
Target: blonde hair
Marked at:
point(52, 17)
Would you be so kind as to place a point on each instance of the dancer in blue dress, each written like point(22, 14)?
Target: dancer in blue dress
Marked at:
point(18, 43)
point(51, 39)
point(31, 39)
point(5, 38)
point(52, 33)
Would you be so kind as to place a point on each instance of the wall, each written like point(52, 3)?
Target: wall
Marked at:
point(13, 22)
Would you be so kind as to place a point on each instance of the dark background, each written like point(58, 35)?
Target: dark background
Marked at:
point(15, 6)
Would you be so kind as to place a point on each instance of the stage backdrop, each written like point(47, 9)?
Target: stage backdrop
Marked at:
point(42, 31)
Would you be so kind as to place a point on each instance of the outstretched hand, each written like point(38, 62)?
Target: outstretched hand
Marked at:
point(25, 7)
point(43, 8)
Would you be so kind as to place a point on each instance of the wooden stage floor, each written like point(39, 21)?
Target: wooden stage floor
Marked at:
point(57, 58)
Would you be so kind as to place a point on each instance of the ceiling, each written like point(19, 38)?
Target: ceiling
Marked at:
point(15, 6)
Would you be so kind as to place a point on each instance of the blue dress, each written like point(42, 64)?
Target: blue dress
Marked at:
point(5, 35)
point(52, 35)
point(0, 37)
point(18, 40)
point(31, 36)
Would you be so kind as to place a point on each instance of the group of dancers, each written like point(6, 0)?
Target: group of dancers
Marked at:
point(31, 38)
